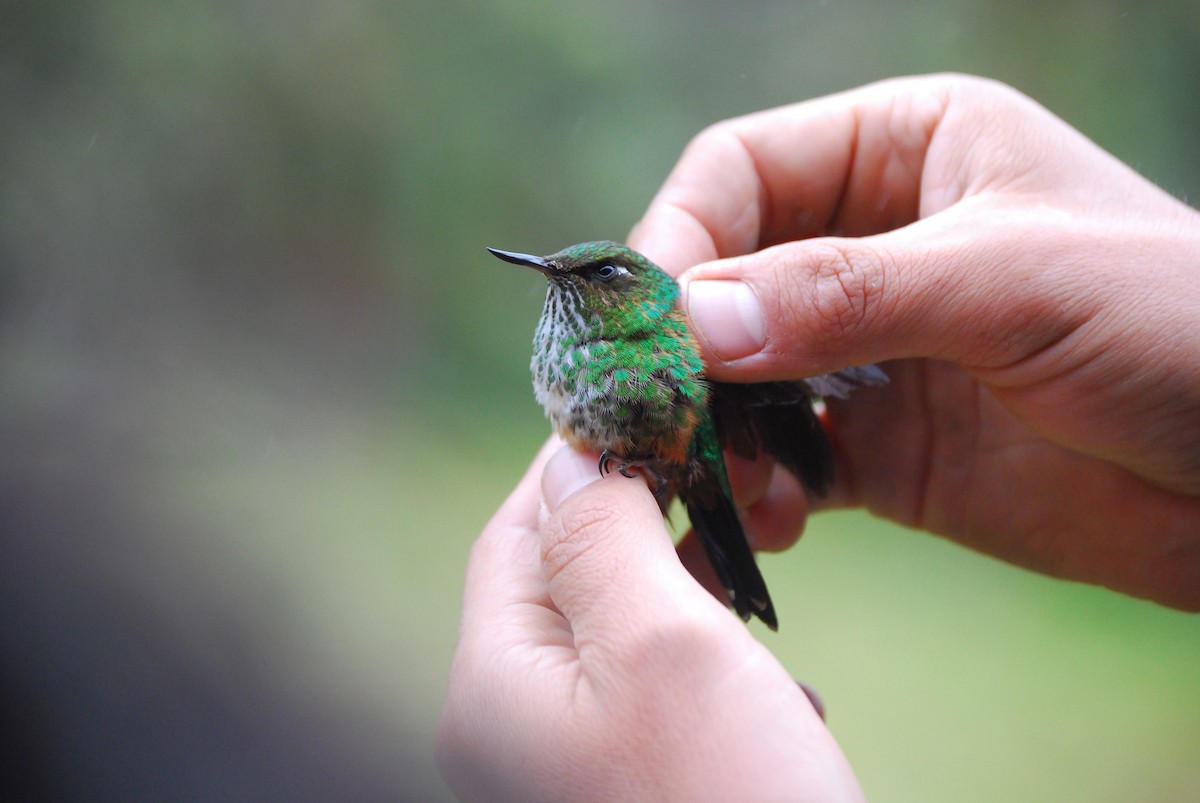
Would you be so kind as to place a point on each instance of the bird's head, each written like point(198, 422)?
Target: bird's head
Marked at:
point(606, 278)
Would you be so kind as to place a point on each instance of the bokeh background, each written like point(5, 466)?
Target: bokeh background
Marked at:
point(260, 385)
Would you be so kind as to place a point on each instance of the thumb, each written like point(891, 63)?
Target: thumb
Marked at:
point(611, 567)
point(980, 286)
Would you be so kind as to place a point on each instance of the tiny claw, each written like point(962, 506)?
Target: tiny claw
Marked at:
point(632, 469)
point(606, 462)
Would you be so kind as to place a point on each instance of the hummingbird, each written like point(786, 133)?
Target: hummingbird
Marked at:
point(619, 373)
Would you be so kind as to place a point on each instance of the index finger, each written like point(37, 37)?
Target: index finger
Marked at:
point(504, 573)
point(846, 164)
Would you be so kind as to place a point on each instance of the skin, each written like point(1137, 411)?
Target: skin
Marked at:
point(1037, 304)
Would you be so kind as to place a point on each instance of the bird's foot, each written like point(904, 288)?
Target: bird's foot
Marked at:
point(631, 469)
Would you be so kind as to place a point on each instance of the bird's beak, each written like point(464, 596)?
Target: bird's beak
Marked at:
point(527, 260)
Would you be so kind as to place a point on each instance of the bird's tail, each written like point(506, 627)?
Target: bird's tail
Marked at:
point(719, 529)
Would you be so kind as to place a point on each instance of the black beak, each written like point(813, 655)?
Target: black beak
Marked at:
point(527, 260)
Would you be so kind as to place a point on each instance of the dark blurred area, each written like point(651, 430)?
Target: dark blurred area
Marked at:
point(260, 384)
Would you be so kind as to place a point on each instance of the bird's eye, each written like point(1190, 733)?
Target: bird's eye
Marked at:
point(607, 272)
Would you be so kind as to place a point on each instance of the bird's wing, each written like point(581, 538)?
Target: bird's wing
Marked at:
point(778, 418)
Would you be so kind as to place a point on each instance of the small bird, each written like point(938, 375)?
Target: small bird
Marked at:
point(619, 373)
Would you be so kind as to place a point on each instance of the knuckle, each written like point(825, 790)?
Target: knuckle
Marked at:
point(580, 527)
point(713, 136)
point(848, 284)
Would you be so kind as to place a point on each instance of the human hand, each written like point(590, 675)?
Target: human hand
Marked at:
point(1039, 300)
point(591, 666)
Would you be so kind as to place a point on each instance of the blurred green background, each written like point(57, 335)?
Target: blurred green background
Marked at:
point(261, 386)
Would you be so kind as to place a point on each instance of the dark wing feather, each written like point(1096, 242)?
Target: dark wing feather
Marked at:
point(840, 383)
point(778, 418)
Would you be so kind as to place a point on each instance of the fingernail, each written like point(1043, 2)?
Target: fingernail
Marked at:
point(728, 315)
point(565, 473)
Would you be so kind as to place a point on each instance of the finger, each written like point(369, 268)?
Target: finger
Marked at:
point(749, 479)
point(507, 616)
point(774, 522)
point(849, 163)
point(504, 572)
point(986, 299)
point(608, 559)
